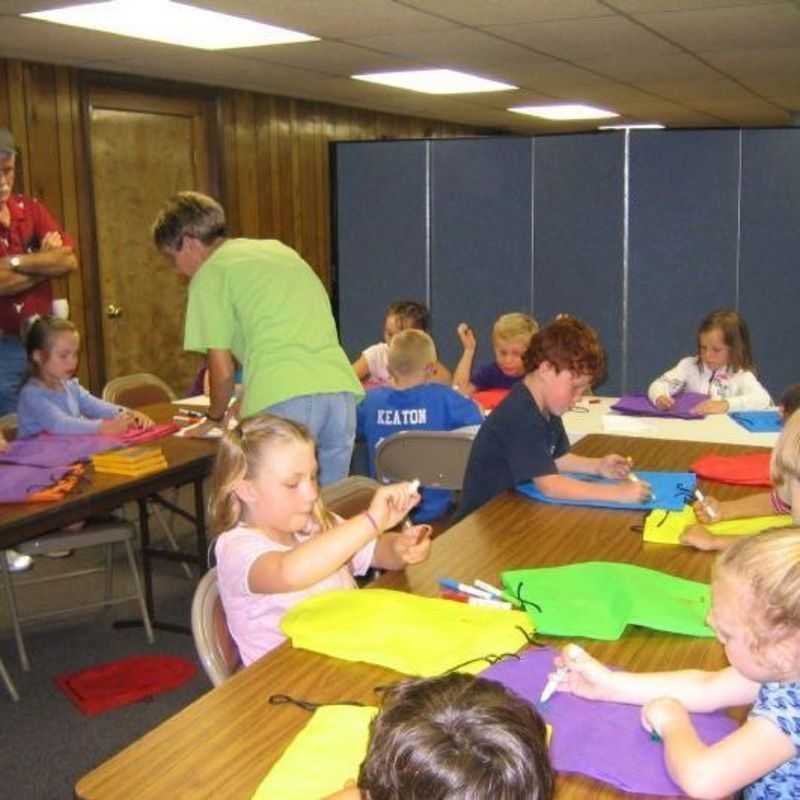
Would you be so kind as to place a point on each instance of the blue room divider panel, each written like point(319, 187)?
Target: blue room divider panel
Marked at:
point(382, 234)
point(578, 236)
point(769, 283)
point(683, 232)
point(480, 237)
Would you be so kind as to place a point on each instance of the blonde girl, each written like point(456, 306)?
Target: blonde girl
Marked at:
point(278, 544)
point(723, 369)
point(783, 499)
point(755, 613)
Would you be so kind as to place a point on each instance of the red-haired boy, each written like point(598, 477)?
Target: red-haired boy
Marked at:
point(524, 439)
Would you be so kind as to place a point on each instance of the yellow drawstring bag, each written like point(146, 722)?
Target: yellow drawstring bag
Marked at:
point(414, 635)
point(325, 754)
point(666, 527)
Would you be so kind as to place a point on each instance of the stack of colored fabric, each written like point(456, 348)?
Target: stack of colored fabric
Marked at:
point(132, 461)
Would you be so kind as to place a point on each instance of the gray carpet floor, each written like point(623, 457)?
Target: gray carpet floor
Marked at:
point(46, 743)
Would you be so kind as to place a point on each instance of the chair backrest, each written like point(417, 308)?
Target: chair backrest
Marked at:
point(215, 646)
point(8, 426)
point(349, 496)
point(141, 389)
point(435, 458)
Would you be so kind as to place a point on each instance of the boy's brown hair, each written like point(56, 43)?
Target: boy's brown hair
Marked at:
point(567, 343)
point(456, 737)
point(410, 351)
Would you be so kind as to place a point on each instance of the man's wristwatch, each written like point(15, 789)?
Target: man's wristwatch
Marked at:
point(14, 262)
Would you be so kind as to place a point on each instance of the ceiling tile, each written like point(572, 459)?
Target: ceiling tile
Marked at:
point(637, 67)
point(332, 19)
point(644, 6)
point(332, 58)
point(740, 28)
point(584, 39)
point(504, 12)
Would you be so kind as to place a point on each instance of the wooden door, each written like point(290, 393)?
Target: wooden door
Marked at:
point(143, 149)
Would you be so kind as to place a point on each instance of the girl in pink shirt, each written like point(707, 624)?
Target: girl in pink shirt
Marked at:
point(280, 545)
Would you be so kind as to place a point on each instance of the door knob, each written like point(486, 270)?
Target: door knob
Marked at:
point(112, 311)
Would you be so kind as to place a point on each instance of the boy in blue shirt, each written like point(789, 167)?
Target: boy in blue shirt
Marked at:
point(413, 403)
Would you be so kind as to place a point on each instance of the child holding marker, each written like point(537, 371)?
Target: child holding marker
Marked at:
point(524, 438)
point(755, 613)
point(373, 363)
point(277, 543)
point(511, 336)
point(783, 499)
point(723, 369)
point(454, 737)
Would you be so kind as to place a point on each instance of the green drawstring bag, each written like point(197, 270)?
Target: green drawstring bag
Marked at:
point(414, 635)
point(325, 754)
point(666, 527)
point(598, 599)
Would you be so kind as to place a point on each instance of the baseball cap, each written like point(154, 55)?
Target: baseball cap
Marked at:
point(7, 141)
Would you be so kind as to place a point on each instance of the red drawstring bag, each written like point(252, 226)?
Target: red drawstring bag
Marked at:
point(489, 399)
point(750, 469)
point(120, 683)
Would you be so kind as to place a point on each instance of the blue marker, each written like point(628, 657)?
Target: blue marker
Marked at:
point(464, 588)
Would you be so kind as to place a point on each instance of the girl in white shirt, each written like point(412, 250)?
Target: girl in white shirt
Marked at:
point(723, 369)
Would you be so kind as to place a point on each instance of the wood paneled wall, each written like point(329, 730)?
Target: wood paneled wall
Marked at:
point(273, 153)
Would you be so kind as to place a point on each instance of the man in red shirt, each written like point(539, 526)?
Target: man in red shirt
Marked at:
point(33, 249)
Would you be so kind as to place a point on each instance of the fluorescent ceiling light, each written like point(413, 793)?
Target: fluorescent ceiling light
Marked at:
point(435, 81)
point(638, 126)
point(171, 23)
point(565, 111)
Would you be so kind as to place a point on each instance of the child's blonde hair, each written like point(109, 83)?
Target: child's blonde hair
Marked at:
point(410, 351)
point(769, 564)
point(241, 452)
point(785, 461)
point(514, 326)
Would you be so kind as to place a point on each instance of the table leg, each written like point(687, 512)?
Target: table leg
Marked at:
point(149, 553)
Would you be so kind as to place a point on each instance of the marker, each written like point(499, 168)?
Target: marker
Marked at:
point(464, 588)
point(188, 412)
point(498, 593)
point(414, 486)
point(633, 478)
point(481, 602)
point(706, 506)
point(552, 684)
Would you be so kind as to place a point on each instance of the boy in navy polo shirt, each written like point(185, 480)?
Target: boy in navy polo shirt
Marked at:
point(413, 403)
point(524, 438)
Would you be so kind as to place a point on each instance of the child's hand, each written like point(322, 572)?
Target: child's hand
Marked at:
point(586, 676)
point(702, 538)
point(664, 402)
point(661, 715)
point(138, 420)
point(390, 504)
point(711, 407)
point(413, 544)
point(51, 241)
point(114, 427)
point(614, 466)
point(709, 511)
point(634, 492)
point(467, 337)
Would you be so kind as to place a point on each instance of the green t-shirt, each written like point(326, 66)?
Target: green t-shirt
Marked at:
point(261, 301)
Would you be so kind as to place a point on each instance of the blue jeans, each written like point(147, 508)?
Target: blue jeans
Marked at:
point(331, 418)
point(13, 362)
